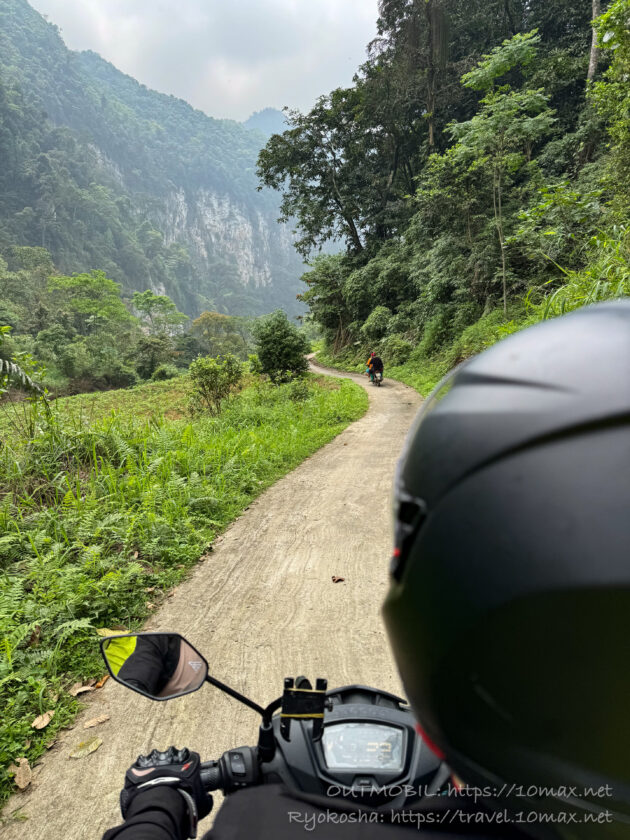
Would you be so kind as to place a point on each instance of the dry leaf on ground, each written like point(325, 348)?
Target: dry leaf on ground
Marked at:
point(43, 720)
point(338, 579)
point(23, 774)
point(86, 747)
point(79, 688)
point(102, 681)
point(95, 721)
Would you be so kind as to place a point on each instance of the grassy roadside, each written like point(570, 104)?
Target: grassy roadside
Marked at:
point(108, 505)
point(426, 365)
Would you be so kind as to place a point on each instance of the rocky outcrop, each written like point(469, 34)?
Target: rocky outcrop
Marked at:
point(211, 224)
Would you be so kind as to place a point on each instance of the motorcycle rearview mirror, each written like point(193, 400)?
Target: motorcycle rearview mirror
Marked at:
point(160, 666)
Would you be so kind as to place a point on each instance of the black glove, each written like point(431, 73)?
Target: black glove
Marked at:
point(179, 769)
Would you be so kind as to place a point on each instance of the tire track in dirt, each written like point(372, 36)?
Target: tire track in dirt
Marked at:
point(261, 606)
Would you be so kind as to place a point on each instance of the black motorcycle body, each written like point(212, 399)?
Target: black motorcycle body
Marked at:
point(355, 743)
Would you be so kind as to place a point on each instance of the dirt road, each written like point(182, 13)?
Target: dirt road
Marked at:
point(262, 606)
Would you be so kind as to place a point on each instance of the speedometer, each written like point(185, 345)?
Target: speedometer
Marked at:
point(363, 746)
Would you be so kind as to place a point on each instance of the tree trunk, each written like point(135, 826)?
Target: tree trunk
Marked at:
point(428, 8)
point(498, 218)
point(510, 17)
point(592, 64)
point(352, 228)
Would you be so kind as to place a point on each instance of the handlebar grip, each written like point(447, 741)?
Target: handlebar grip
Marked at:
point(211, 775)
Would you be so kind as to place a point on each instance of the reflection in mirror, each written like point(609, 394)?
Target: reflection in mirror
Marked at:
point(158, 665)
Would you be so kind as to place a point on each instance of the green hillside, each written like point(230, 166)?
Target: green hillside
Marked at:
point(106, 174)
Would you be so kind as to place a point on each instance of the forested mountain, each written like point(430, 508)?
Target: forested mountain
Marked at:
point(268, 121)
point(106, 174)
point(476, 170)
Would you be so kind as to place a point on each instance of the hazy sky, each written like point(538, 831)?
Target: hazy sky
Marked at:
point(226, 57)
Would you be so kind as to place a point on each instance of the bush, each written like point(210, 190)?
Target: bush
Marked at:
point(212, 382)
point(254, 364)
point(298, 390)
point(280, 346)
point(376, 324)
point(163, 372)
point(151, 352)
point(438, 330)
point(395, 350)
point(119, 375)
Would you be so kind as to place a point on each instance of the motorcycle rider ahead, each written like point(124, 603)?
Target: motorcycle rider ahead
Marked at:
point(374, 365)
point(508, 609)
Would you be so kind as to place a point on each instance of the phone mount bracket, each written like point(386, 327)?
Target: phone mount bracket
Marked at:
point(303, 703)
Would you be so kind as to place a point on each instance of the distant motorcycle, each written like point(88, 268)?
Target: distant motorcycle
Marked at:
point(376, 377)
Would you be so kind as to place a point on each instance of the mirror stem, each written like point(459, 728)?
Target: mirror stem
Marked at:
point(236, 695)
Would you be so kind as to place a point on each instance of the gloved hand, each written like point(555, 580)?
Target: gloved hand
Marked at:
point(180, 769)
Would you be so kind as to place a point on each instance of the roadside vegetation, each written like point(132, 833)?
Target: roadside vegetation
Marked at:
point(108, 500)
point(476, 172)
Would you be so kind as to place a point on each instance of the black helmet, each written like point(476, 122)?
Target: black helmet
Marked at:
point(509, 605)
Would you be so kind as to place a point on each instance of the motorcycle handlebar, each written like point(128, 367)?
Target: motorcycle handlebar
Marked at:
point(211, 775)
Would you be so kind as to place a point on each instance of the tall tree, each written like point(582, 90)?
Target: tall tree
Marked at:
point(159, 311)
point(507, 127)
point(594, 57)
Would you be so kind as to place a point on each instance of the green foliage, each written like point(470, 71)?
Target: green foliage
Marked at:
point(212, 381)
point(280, 347)
point(557, 229)
point(505, 131)
point(298, 390)
point(107, 505)
point(163, 372)
point(395, 350)
point(376, 323)
point(12, 373)
point(153, 351)
point(159, 311)
point(611, 94)
point(606, 276)
point(92, 299)
point(220, 334)
point(81, 328)
point(254, 364)
point(326, 296)
point(519, 51)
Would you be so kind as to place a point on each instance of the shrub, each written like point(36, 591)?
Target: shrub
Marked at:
point(164, 371)
point(376, 324)
point(395, 350)
point(298, 390)
point(438, 330)
point(212, 382)
point(119, 375)
point(254, 364)
point(280, 346)
point(151, 352)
